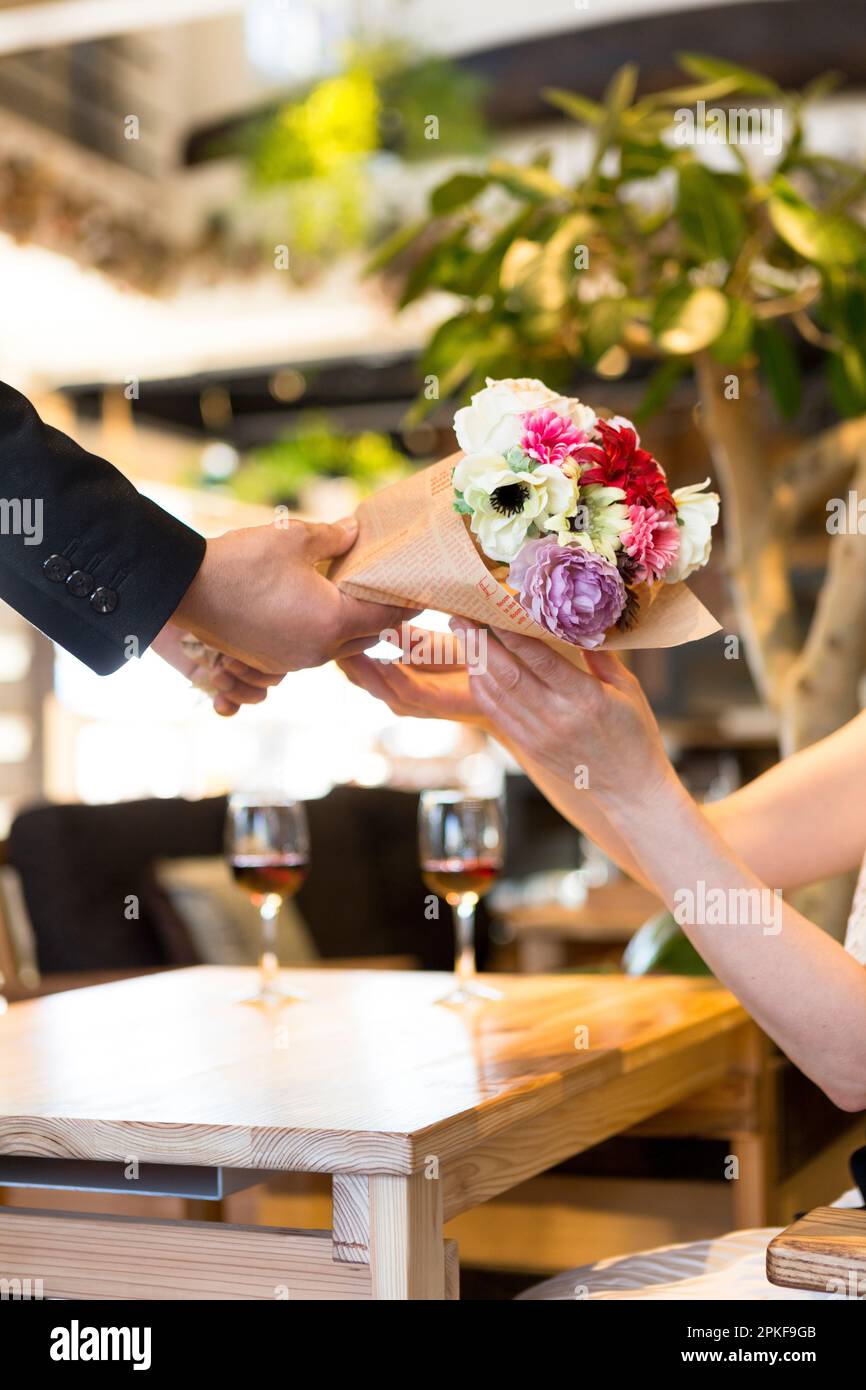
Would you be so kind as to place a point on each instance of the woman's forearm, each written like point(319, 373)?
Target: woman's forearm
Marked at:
point(801, 986)
point(748, 820)
point(816, 794)
point(582, 810)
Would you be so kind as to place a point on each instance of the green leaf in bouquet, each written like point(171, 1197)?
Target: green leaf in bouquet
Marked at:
point(518, 461)
point(709, 69)
point(830, 239)
point(456, 192)
point(461, 505)
point(661, 947)
point(687, 318)
point(712, 223)
point(781, 368)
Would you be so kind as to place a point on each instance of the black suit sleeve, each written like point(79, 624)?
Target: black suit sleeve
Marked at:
point(83, 556)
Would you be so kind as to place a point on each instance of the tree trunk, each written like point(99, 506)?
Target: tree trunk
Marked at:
point(823, 685)
point(818, 469)
point(814, 690)
point(822, 688)
point(756, 553)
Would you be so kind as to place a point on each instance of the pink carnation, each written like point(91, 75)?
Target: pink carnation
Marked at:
point(652, 540)
point(550, 438)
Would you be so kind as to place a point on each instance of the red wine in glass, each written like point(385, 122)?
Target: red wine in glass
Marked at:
point(261, 874)
point(461, 839)
point(452, 878)
point(267, 846)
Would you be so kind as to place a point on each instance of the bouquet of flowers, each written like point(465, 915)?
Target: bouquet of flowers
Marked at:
point(575, 518)
point(564, 530)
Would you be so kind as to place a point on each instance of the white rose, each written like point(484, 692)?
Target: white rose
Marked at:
point(697, 514)
point(492, 423)
point(504, 504)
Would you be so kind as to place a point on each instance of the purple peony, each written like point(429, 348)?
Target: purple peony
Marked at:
point(572, 593)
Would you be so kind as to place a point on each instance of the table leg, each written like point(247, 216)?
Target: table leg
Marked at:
point(407, 1252)
point(755, 1144)
point(351, 1217)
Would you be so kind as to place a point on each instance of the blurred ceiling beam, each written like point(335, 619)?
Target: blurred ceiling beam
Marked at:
point(56, 22)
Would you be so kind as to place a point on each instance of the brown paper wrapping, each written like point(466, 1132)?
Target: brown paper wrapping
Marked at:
point(414, 550)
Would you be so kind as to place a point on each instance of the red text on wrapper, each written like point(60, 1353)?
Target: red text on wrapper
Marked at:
point(512, 609)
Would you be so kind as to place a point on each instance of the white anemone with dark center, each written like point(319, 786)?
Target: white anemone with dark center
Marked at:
point(505, 506)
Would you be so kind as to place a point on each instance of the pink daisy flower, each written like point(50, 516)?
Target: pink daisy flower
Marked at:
point(652, 540)
point(550, 438)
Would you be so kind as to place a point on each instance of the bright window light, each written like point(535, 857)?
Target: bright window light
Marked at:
point(295, 40)
point(16, 738)
point(15, 656)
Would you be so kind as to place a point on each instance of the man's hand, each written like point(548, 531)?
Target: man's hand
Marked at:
point(228, 683)
point(259, 598)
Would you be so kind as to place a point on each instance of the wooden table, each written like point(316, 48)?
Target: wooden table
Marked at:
point(418, 1112)
point(824, 1250)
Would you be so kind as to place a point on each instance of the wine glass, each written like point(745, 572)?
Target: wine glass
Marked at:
point(461, 841)
point(267, 845)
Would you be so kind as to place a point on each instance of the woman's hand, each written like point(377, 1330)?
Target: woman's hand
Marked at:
point(417, 686)
point(595, 731)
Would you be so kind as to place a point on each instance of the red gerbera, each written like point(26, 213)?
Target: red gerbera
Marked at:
point(618, 461)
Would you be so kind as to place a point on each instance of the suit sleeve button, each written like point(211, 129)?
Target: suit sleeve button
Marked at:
point(103, 600)
point(57, 568)
point(80, 583)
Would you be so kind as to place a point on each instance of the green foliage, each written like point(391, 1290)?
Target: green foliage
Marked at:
point(278, 472)
point(316, 152)
point(651, 251)
point(337, 123)
point(411, 91)
point(661, 947)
